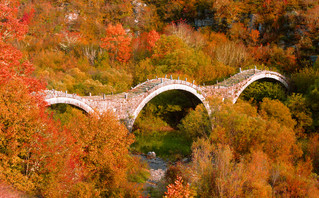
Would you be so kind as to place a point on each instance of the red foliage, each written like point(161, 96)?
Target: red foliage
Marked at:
point(151, 38)
point(11, 27)
point(117, 42)
point(13, 66)
point(146, 41)
point(28, 16)
point(12, 62)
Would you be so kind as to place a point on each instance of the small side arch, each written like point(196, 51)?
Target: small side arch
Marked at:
point(72, 101)
point(164, 89)
point(264, 75)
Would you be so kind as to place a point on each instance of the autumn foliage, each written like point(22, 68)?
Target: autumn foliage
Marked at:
point(265, 149)
point(250, 153)
point(117, 43)
point(39, 156)
point(178, 189)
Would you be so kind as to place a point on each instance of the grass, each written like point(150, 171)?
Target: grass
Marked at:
point(169, 144)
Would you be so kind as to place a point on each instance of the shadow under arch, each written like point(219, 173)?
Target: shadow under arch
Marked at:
point(71, 101)
point(195, 92)
point(273, 76)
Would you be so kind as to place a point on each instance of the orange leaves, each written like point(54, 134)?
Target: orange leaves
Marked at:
point(258, 172)
point(274, 56)
point(144, 44)
point(151, 39)
point(271, 131)
point(103, 143)
point(254, 35)
point(314, 151)
point(312, 18)
point(117, 42)
point(274, 109)
point(239, 32)
point(178, 190)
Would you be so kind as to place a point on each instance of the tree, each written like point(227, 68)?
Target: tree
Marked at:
point(250, 154)
point(259, 90)
point(312, 98)
point(105, 157)
point(117, 43)
point(13, 64)
point(144, 44)
point(196, 123)
point(11, 26)
point(300, 112)
point(274, 109)
point(32, 147)
point(186, 33)
point(172, 55)
point(270, 131)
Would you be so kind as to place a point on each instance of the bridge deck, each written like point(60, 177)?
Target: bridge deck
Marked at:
point(239, 77)
point(148, 85)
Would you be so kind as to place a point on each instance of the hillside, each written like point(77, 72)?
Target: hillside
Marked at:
point(265, 145)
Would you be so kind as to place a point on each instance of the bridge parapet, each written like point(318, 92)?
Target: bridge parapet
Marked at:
point(55, 94)
point(158, 83)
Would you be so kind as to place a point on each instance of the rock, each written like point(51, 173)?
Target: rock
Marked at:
point(151, 155)
point(157, 175)
point(185, 160)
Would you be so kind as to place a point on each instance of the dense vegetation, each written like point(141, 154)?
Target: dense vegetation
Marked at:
point(261, 148)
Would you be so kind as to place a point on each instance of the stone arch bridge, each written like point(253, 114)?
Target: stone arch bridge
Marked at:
point(127, 105)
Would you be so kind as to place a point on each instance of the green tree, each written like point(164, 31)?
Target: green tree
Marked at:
point(300, 112)
point(257, 91)
point(196, 123)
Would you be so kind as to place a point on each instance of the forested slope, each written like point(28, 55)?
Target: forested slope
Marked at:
point(101, 46)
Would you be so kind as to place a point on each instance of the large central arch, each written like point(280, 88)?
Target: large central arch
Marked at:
point(160, 90)
point(262, 75)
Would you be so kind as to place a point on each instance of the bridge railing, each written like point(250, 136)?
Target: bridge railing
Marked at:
point(57, 94)
point(166, 82)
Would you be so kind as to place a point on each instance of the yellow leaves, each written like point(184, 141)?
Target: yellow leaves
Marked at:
point(166, 45)
point(196, 123)
point(245, 130)
point(104, 142)
point(274, 109)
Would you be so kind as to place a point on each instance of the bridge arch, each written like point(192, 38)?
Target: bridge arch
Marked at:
point(71, 101)
point(262, 75)
point(156, 91)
